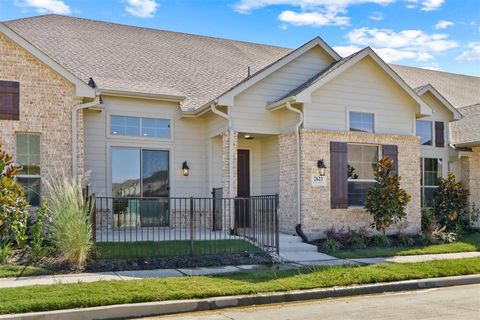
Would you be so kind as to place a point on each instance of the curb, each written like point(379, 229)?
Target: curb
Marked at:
point(123, 311)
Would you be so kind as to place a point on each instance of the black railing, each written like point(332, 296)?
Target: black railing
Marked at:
point(179, 226)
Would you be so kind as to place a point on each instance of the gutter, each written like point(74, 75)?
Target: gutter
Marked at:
point(298, 164)
point(230, 146)
point(75, 110)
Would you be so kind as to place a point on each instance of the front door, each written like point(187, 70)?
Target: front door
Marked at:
point(242, 207)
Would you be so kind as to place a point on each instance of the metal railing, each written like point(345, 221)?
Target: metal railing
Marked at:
point(181, 226)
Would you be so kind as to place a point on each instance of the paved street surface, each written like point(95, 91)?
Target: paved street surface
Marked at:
point(457, 303)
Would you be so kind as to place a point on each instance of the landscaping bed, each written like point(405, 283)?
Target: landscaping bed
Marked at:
point(82, 295)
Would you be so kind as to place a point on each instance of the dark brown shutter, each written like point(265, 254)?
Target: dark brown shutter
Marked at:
point(339, 175)
point(9, 100)
point(439, 134)
point(391, 151)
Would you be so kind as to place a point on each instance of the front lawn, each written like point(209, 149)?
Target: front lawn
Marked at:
point(82, 295)
point(179, 248)
point(470, 242)
point(10, 270)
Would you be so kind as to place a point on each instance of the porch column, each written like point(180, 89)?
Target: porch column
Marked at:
point(230, 176)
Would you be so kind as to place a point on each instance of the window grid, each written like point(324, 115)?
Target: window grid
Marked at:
point(360, 181)
point(361, 122)
point(424, 129)
point(28, 159)
point(431, 172)
point(140, 127)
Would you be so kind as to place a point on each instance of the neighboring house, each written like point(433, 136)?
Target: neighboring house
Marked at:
point(125, 107)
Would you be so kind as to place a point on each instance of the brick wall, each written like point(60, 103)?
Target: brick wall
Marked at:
point(45, 102)
point(287, 211)
point(317, 215)
point(471, 176)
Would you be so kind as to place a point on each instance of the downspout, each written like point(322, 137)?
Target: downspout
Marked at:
point(74, 110)
point(298, 168)
point(230, 146)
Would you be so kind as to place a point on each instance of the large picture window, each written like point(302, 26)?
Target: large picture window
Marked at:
point(361, 122)
point(140, 127)
point(361, 162)
point(425, 132)
point(431, 170)
point(28, 161)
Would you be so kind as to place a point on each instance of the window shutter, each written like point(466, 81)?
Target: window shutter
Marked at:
point(9, 100)
point(391, 151)
point(339, 175)
point(439, 134)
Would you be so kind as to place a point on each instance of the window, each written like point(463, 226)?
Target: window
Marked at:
point(424, 131)
point(140, 127)
point(431, 170)
point(361, 122)
point(28, 160)
point(361, 162)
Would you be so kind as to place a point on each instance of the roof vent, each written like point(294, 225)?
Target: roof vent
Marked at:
point(92, 83)
point(248, 72)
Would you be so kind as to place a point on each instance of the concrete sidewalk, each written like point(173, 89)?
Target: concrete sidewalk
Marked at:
point(167, 273)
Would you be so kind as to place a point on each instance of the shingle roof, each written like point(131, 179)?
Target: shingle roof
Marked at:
point(460, 90)
point(467, 130)
point(127, 58)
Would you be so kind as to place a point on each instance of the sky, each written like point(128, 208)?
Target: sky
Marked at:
point(435, 34)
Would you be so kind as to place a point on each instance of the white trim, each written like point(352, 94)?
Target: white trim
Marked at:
point(305, 95)
point(227, 98)
point(139, 138)
point(81, 88)
point(456, 114)
point(143, 95)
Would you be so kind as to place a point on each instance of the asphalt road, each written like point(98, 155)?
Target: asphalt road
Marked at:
point(457, 303)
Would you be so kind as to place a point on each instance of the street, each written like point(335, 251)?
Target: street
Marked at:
point(462, 302)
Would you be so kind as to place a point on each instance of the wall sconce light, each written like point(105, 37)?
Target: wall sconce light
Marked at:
point(321, 167)
point(185, 169)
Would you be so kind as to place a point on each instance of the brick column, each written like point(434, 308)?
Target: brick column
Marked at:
point(471, 176)
point(226, 173)
point(287, 154)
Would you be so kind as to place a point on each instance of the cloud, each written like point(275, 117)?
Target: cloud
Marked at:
point(388, 54)
point(377, 16)
point(141, 8)
point(315, 19)
point(45, 6)
point(431, 5)
point(444, 24)
point(471, 54)
point(311, 12)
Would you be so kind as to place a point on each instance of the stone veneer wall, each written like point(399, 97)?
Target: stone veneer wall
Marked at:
point(45, 102)
point(316, 211)
point(287, 211)
point(471, 176)
point(226, 172)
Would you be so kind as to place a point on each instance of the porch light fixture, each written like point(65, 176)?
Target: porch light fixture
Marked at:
point(321, 167)
point(248, 137)
point(185, 169)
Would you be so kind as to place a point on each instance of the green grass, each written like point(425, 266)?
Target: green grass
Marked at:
point(180, 248)
point(9, 270)
point(470, 242)
point(81, 295)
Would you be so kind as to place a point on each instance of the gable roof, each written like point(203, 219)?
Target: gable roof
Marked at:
point(126, 58)
point(465, 132)
point(460, 90)
point(303, 92)
point(429, 88)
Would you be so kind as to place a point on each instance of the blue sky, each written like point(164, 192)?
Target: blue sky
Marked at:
point(436, 34)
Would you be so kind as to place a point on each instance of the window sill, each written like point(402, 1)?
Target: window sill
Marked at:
point(356, 209)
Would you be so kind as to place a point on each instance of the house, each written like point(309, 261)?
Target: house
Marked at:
point(148, 113)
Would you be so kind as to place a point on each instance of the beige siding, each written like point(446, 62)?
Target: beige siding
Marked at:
point(188, 143)
point(249, 110)
point(364, 87)
point(270, 165)
point(255, 149)
point(216, 163)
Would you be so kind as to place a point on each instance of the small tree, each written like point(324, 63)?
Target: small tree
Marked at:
point(450, 204)
point(13, 204)
point(386, 201)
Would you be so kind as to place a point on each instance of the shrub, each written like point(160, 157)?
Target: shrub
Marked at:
point(5, 251)
point(70, 212)
point(406, 240)
point(428, 219)
point(427, 239)
point(341, 236)
point(381, 240)
point(386, 201)
point(38, 240)
point(13, 204)
point(451, 204)
point(358, 240)
point(330, 246)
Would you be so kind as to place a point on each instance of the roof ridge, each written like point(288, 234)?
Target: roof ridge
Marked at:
point(430, 70)
point(144, 28)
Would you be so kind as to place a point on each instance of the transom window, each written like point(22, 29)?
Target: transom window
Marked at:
point(431, 169)
point(425, 132)
point(361, 163)
point(28, 161)
point(361, 122)
point(140, 127)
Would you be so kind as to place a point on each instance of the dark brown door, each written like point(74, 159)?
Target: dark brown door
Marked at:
point(242, 207)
